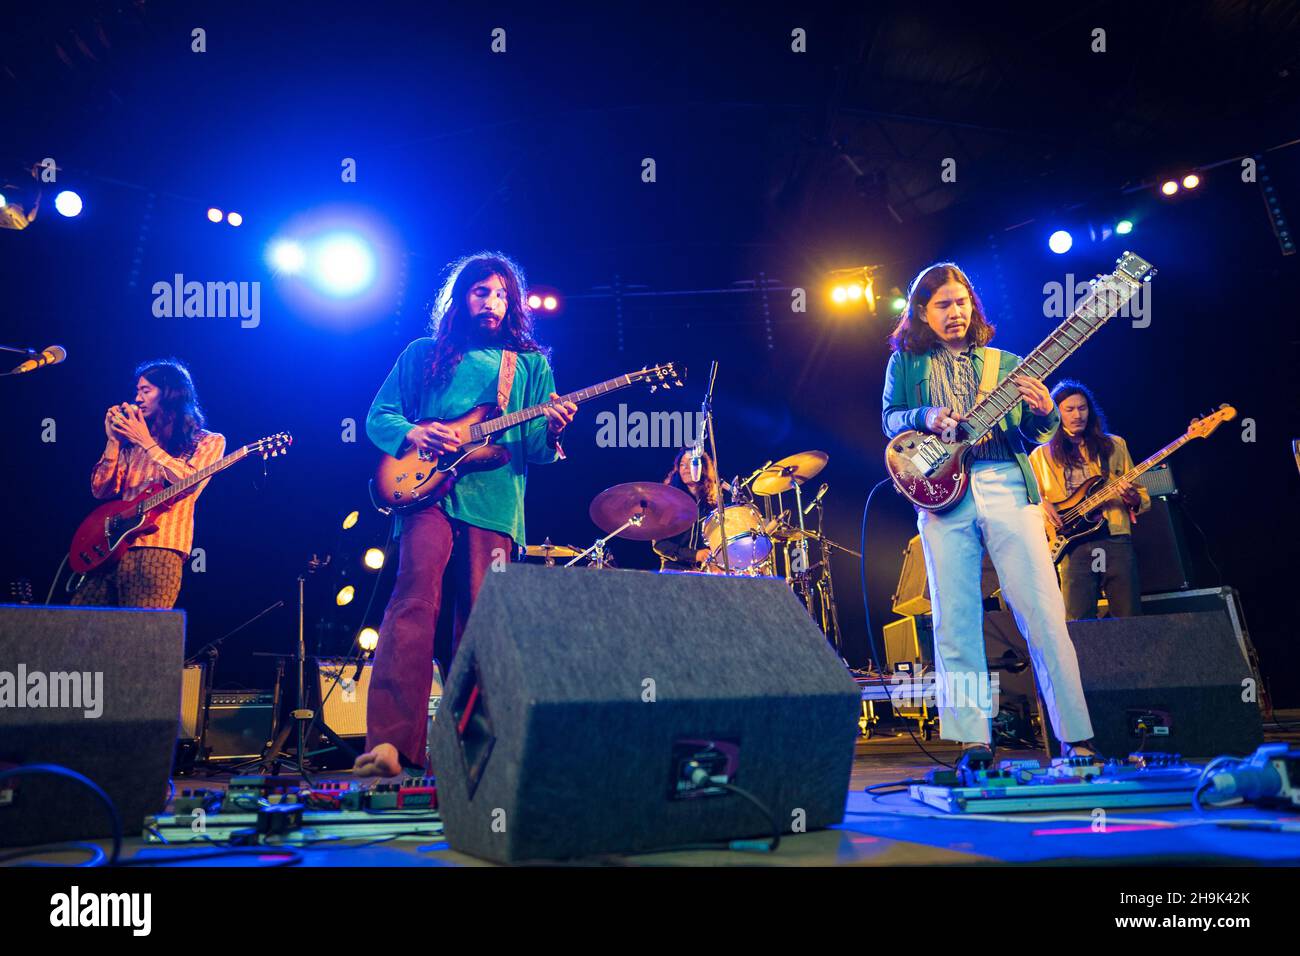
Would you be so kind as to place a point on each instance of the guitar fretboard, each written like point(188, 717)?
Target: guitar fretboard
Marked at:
point(1107, 490)
point(173, 491)
point(1105, 299)
point(511, 419)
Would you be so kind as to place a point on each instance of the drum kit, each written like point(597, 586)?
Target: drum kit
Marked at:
point(755, 535)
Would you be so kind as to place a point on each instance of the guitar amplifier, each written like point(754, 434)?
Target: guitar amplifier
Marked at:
point(1159, 481)
point(912, 596)
point(192, 701)
point(909, 641)
point(239, 724)
point(344, 708)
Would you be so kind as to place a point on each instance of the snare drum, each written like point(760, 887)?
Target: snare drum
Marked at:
point(748, 545)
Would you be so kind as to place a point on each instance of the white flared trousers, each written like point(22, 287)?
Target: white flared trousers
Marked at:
point(996, 513)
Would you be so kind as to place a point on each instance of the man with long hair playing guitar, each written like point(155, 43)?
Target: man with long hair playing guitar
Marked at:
point(938, 369)
point(479, 324)
point(1080, 449)
point(159, 437)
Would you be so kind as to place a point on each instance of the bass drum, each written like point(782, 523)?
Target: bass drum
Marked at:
point(749, 549)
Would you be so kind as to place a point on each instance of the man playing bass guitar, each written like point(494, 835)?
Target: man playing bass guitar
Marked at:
point(1080, 450)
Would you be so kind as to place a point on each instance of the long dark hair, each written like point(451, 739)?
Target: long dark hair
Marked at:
point(180, 419)
point(913, 333)
point(708, 477)
point(1099, 444)
point(452, 334)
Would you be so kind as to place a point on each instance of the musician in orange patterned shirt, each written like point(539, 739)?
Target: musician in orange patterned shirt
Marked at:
point(159, 438)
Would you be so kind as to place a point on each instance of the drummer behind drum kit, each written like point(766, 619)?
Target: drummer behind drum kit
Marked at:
point(646, 511)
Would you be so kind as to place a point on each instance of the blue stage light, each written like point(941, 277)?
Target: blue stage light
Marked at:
point(68, 203)
point(1124, 227)
point(343, 265)
point(287, 256)
point(1060, 242)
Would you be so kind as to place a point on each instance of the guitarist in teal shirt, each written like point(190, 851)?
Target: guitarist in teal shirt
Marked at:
point(479, 314)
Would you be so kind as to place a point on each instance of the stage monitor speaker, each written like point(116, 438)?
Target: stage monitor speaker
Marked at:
point(1183, 675)
point(578, 699)
point(95, 690)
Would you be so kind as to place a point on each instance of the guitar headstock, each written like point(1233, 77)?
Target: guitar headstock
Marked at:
point(272, 445)
point(1201, 427)
point(1134, 267)
point(660, 376)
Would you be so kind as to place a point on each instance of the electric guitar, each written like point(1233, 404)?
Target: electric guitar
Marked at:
point(933, 471)
point(108, 531)
point(1080, 513)
point(416, 478)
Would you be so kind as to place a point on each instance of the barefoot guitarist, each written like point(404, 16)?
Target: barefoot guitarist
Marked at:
point(482, 342)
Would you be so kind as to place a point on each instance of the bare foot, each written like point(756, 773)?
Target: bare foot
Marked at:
point(381, 761)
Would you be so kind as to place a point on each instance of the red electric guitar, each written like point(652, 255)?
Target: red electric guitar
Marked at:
point(932, 471)
point(109, 530)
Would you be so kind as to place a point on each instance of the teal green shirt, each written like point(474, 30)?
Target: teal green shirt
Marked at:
point(491, 499)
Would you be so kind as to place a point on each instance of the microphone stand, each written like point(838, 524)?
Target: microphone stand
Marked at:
point(706, 413)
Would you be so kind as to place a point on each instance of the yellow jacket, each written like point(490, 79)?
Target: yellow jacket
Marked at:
point(1051, 481)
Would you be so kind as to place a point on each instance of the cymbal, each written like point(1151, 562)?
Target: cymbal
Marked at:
point(667, 511)
point(783, 475)
point(551, 551)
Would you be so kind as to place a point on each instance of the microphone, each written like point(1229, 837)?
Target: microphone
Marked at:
point(813, 504)
point(51, 356)
point(696, 450)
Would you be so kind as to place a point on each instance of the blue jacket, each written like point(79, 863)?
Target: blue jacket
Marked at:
point(906, 402)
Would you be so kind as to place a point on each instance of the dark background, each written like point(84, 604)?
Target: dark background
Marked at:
point(772, 168)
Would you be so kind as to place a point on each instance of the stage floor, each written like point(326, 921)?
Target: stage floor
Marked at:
point(890, 830)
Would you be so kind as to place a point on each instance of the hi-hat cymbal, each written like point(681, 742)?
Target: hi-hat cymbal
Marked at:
point(783, 475)
point(665, 511)
point(551, 551)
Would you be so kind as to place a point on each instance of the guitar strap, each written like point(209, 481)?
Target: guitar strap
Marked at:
point(506, 378)
point(989, 379)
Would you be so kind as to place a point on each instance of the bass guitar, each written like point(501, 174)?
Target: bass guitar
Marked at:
point(1080, 513)
point(933, 471)
point(415, 478)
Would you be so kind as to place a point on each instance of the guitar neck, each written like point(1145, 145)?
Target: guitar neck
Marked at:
point(1105, 299)
point(1107, 490)
point(203, 474)
point(511, 419)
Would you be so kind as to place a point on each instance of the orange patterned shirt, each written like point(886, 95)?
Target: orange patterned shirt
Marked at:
point(133, 469)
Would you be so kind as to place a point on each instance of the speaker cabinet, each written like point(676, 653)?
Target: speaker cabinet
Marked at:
point(579, 700)
point(1160, 547)
point(344, 706)
point(912, 597)
point(95, 690)
point(1184, 676)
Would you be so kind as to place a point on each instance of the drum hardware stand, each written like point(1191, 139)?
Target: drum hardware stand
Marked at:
point(706, 416)
point(599, 547)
